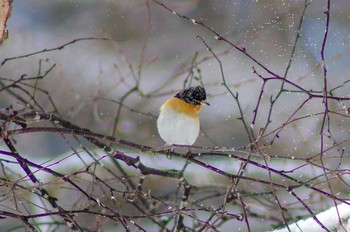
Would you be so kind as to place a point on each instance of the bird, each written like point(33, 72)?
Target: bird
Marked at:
point(178, 121)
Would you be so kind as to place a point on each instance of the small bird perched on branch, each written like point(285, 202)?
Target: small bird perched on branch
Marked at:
point(178, 121)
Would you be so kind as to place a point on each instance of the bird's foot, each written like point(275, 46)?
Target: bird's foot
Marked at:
point(167, 149)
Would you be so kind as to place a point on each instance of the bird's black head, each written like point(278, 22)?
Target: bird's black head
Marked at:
point(193, 95)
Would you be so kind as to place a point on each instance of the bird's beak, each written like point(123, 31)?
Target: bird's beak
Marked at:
point(206, 103)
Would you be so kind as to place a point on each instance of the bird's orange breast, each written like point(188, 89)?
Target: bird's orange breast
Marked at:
point(181, 106)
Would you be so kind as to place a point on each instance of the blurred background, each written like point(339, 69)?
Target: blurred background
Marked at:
point(116, 86)
point(156, 48)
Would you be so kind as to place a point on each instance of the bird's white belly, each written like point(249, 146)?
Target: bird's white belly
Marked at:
point(177, 128)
